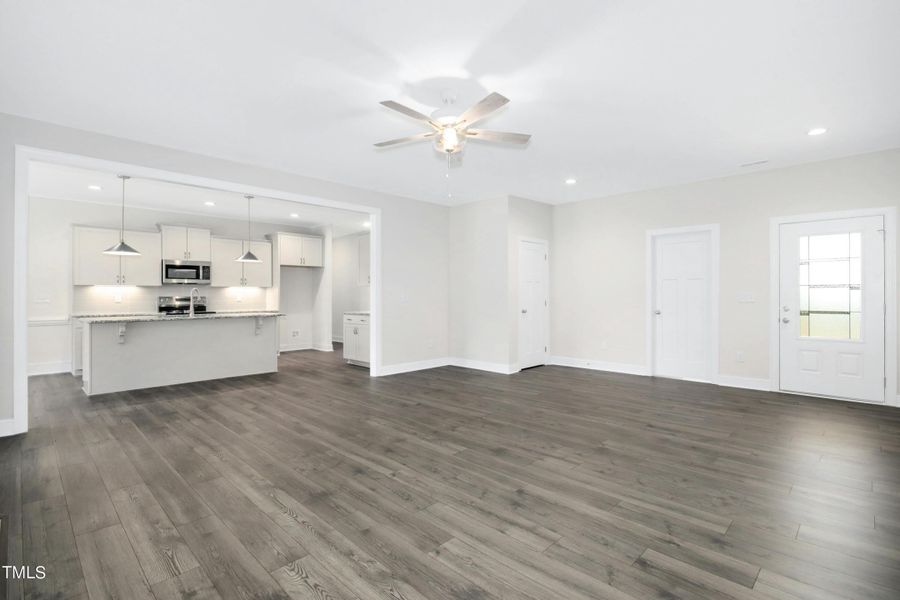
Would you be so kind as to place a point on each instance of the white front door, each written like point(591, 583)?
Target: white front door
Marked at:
point(533, 304)
point(832, 308)
point(682, 305)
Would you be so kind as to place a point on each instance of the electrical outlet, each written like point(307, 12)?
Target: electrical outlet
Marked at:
point(739, 357)
point(117, 297)
point(295, 334)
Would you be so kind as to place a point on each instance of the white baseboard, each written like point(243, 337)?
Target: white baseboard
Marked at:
point(747, 383)
point(338, 338)
point(294, 347)
point(12, 427)
point(49, 368)
point(502, 368)
point(328, 348)
point(419, 365)
point(599, 365)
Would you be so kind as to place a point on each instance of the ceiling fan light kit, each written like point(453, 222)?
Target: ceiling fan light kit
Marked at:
point(450, 133)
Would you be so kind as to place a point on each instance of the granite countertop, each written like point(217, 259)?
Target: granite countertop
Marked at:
point(357, 312)
point(155, 317)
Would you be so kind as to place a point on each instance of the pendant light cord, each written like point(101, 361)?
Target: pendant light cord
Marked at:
point(122, 227)
point(249, 198)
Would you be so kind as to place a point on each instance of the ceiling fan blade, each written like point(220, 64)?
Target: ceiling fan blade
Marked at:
point(488, 104)
point(498, 136)
point(410, 112)
point(409, 138)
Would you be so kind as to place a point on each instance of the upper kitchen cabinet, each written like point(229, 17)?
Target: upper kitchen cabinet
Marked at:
point(299, 250)
point(185, 243)
point(92, 267)
point(259, 274)
point(145, 269)
point(227, 272)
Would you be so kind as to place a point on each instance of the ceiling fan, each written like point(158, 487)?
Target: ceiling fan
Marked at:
point(450, 133)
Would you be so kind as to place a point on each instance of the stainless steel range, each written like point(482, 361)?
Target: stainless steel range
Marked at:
point(181, 305)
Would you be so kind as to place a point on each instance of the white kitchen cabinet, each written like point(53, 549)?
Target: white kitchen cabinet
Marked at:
point(356, 339)
point(185, 243)
point(92, 267)
point(145, 269)
point(290, 250)
point(227, 272)
point(299, 250)
point(312, 251)
point(259, 274)
point(363, 268)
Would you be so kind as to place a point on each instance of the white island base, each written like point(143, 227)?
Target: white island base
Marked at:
point(123, 353)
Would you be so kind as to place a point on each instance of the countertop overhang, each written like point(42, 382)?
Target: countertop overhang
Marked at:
point(157, 318)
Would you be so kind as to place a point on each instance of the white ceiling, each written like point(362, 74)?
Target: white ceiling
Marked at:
point(70, 183)
point(622, 95)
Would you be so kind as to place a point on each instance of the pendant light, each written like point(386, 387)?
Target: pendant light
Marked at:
point(122, 249)
point(248, 256)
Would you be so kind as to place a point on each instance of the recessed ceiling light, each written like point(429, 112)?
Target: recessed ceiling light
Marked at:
point(367, 224)
point(209, 203)
point(816, 131)
point(295, 216)
point(95, 187)
point(571, 181)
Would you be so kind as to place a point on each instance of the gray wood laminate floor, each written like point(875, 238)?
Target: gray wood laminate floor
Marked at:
point(555, 483)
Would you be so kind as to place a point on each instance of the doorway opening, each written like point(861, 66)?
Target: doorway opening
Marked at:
point(209, 195)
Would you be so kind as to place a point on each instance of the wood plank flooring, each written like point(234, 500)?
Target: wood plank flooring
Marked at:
point(321, 483)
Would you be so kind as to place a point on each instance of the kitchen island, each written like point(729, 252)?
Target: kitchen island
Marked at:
point(128, 352)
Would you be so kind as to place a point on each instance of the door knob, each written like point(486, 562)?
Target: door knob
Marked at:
point(524, 310)
point(785, 308)
point(785, 320)
point(657, 312)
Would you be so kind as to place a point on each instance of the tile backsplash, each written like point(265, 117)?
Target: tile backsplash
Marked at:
point(99, 299)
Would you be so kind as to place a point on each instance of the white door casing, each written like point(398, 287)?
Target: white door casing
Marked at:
point(832, 308)
point(534, 321)
point(683, 303)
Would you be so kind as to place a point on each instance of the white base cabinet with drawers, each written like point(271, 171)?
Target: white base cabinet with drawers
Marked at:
point(356, 339)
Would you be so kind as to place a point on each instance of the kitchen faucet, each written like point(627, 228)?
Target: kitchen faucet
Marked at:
point(192, 299)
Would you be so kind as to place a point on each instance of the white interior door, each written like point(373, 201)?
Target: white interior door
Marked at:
point(682, 306)
point(832, 308)
point(534, 303)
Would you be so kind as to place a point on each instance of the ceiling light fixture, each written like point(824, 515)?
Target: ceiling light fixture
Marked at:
point(449, 133)
point(295, 216)
point(816, 131)
point(95, 187)
point(367, 224)
point(248, 256)
point(122, 249)
point(209, 203)
point(755, 163)
point(571, 181)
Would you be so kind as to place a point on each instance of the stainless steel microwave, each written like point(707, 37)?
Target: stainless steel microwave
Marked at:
point(188, 272)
